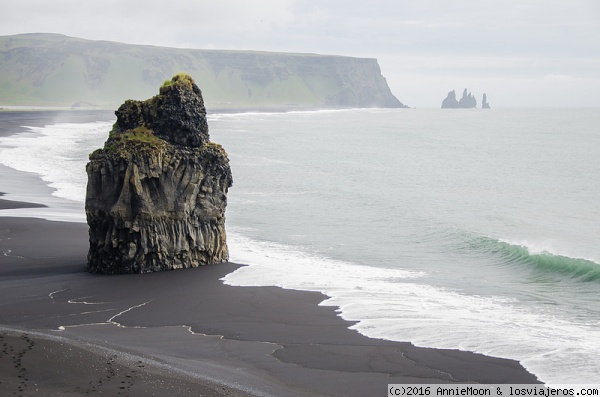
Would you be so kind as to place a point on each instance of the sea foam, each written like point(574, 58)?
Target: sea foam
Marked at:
point(398, 305)
point(58, 153)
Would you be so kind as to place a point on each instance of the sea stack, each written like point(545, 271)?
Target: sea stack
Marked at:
point(157, 191)
point(484, 102)
point(467, 101)
point(450, 101)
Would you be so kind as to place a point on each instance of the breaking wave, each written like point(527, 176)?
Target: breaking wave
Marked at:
point(542, 259)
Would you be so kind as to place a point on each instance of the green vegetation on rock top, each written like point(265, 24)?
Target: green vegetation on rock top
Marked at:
point(180, 79)
point(174, 117)
point(139, 135)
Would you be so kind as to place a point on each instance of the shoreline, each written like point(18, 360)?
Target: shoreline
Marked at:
point(260, 340)
point(264, 340)
point(26, 190)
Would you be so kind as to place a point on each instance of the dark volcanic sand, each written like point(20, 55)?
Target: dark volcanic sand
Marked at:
point(9, 204)
point(13, 121)
point(184, 332)
point(31, 367)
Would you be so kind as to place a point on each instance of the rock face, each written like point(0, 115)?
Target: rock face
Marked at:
point(466, 102)
point(157, 191)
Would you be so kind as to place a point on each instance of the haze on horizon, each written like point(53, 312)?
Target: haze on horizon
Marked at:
point(520, 52)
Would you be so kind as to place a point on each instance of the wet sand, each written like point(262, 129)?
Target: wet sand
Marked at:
point(186, 333)
point(11, 204)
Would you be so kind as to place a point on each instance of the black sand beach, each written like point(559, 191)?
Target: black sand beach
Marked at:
point(10, 204)
point(66, 332)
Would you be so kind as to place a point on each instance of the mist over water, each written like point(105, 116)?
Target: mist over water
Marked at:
point(465, 229)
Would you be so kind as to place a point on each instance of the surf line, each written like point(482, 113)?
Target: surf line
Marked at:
point(75, 301)
point(51, 294)
point(110, 321)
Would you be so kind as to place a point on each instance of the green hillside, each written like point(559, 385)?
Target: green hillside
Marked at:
point(56, 70)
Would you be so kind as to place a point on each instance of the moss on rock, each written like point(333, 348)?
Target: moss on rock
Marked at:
point(176, 115)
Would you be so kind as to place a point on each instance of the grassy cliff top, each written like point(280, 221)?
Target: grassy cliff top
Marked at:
point(49, 69)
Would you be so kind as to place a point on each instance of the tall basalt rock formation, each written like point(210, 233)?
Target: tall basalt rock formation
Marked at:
point(450, 101)
point(484, 103)
point(467, 101)
point(157, 191)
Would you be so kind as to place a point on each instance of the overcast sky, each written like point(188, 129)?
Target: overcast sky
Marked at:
point(520, 52)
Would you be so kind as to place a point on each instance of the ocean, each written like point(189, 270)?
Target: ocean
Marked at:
point(462, 229)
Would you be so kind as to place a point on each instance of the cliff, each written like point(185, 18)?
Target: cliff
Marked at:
point(157, 191)
point(50, 69)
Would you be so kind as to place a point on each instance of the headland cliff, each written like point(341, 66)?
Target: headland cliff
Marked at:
point(54, 70)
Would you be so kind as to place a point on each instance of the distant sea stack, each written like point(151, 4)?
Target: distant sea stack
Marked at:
point(157, 191)
point(467, 101)
point(450, 101)
point(484, 102)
